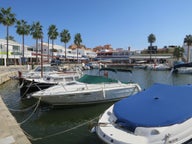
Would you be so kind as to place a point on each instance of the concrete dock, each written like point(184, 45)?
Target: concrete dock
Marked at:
point(10, 131)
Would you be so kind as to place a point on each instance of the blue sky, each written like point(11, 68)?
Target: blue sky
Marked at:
point(121, 23)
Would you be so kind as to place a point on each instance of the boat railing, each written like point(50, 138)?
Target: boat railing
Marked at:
point(101, 88)
point(62, 84)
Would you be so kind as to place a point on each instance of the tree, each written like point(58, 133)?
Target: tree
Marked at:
point(77, 42)
point(52, 34)
point(23, 29)
point(188, 42)
point(178, 52)
point(11, 38)
point(7, 18)
point(151, 40)
point(37, 33)
point(65, 37)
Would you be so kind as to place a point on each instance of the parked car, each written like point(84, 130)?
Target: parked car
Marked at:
point(56, 61)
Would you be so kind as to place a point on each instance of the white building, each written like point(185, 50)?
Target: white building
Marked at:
point(15, 52)
point(58, 51)
point(87, 53)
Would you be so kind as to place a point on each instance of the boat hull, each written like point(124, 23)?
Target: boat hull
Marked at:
point(84, 96)
point(160, 114)
point(30, 86)
point(183, 70)
point(111, 133)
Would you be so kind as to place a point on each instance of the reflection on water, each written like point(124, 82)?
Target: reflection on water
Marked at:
point(46, 121)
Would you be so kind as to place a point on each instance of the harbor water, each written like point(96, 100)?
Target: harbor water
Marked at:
point(72, 125)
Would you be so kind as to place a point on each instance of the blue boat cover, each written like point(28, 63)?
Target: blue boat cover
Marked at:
point(160, 105)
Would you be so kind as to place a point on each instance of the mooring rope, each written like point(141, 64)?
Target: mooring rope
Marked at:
point(37, 86)
point(38, 103)
point(27, 89)
point(21, 85)
point(31, 84)
point(23, 110)
point(61, 132)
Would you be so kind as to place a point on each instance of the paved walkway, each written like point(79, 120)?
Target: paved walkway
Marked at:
point(10, 131)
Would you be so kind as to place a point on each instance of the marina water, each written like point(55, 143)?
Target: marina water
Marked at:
point(72, 125)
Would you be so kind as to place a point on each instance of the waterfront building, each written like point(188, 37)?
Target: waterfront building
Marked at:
point(58, 51)
point(15, 53)
point(145, 58)
point(119, 55)
point(87, 53)
point(101, 53)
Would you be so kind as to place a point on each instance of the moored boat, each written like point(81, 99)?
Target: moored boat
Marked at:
point(158, 66)
point(88, 89)
point(159, 115)
point(52, 75)
point(183, 68)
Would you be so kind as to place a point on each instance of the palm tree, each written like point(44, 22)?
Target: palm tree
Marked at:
point(11, 38)
point(77, 41)
point(65, 37)
point(37, 33)
point(188, 42)
point(7, 18)
point(52, 34)
point(22, 29)
point(151, 40)
point(178, 52)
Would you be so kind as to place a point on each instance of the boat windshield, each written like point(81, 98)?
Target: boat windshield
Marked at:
point(46, 68)
point(92, 79)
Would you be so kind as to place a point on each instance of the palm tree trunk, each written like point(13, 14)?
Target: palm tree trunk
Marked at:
point(36, 51)
point(188, 54)
point(77, 55)
point(150, 51)
point(52, 49)
point(7, 58)
point(48, 51)
point(65, 52)
point(23, 55)
point(41, 57)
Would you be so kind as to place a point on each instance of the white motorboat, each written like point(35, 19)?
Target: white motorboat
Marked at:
point(159, 115)
point(46, 70)
point(183, 68)
point(88, 89)
point(158, 67)
point(52, 75)
point(36, 72)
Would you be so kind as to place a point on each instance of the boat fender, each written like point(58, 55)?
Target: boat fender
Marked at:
point(93, 130)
